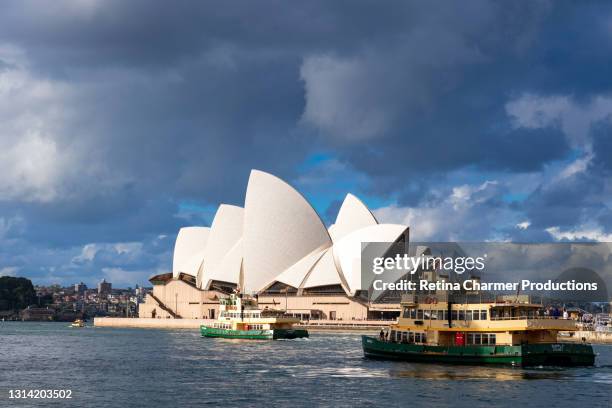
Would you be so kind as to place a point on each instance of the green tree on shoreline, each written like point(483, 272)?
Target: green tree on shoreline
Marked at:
point(16, 293)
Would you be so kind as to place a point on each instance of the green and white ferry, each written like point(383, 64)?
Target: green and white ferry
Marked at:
point(240, 318)
point(508, 330)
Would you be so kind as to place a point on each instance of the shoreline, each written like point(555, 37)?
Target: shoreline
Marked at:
point(322, 326)
point(365, 327)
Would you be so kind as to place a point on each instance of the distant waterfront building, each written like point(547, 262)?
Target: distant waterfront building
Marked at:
point(80, 288)
point(37, 314)
point(104, 288)
point(278, 248)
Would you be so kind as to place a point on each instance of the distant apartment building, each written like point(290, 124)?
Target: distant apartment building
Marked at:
point(80, 288)
point(104, 287)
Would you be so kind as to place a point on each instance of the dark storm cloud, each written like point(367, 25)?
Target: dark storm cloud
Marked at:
point(142, 106)
point(567, 202)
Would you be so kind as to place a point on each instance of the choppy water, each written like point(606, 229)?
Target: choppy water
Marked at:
point(161, 368)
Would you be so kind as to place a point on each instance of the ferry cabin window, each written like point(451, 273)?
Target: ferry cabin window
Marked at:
point(462, 315)
point(406, 313)
point(483, 315)
point(420, 314)
point(454, 315)
point(413, 313)
point(481, 338)
point(407, 337)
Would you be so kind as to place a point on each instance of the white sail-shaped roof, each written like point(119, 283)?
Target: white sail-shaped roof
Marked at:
point(347, 251)
point(225, 231)
point(353, 215)
point(189, 250)
point(294, 275)
point(228, 270)
point(324, 272)
point(193, 265)
point(280, 228)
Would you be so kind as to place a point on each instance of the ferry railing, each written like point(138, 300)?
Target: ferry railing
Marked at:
point(469, 298)
point(530, 318)
point(348, 323)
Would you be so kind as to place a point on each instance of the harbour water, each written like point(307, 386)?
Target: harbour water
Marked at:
point(109, 367)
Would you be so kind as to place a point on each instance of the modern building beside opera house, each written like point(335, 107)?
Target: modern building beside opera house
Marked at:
point(277, 248)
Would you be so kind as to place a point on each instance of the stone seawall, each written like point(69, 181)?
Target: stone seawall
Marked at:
point(147, 323)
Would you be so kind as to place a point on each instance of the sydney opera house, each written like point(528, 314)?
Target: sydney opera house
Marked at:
point(277, 248)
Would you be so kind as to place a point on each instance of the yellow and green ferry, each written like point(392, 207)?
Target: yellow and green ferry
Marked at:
point(240, 318)
point(508, 330)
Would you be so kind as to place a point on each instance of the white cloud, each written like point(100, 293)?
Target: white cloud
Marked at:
point(120, 277)
point(459, 215)
point(9, 271)
point(88, 253)
point(30, 168)
point(47, 138)
point(32, 113)
point(128, 247)
point(578, 166)
point(128, 250)
point(467, 195)
point(424, 223)
point(523, 225)
point(591, 233)
point(574, 119)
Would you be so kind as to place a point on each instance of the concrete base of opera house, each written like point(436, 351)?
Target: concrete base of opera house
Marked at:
point(177, 298)
point(312, 325)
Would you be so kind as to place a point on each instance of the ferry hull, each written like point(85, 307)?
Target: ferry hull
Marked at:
point(274, 334)
point(555, 354)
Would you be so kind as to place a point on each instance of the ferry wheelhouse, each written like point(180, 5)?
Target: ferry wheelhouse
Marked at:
point(505, 330)
point(240, 318)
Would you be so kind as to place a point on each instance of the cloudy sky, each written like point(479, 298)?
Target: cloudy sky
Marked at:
point(122, 121)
